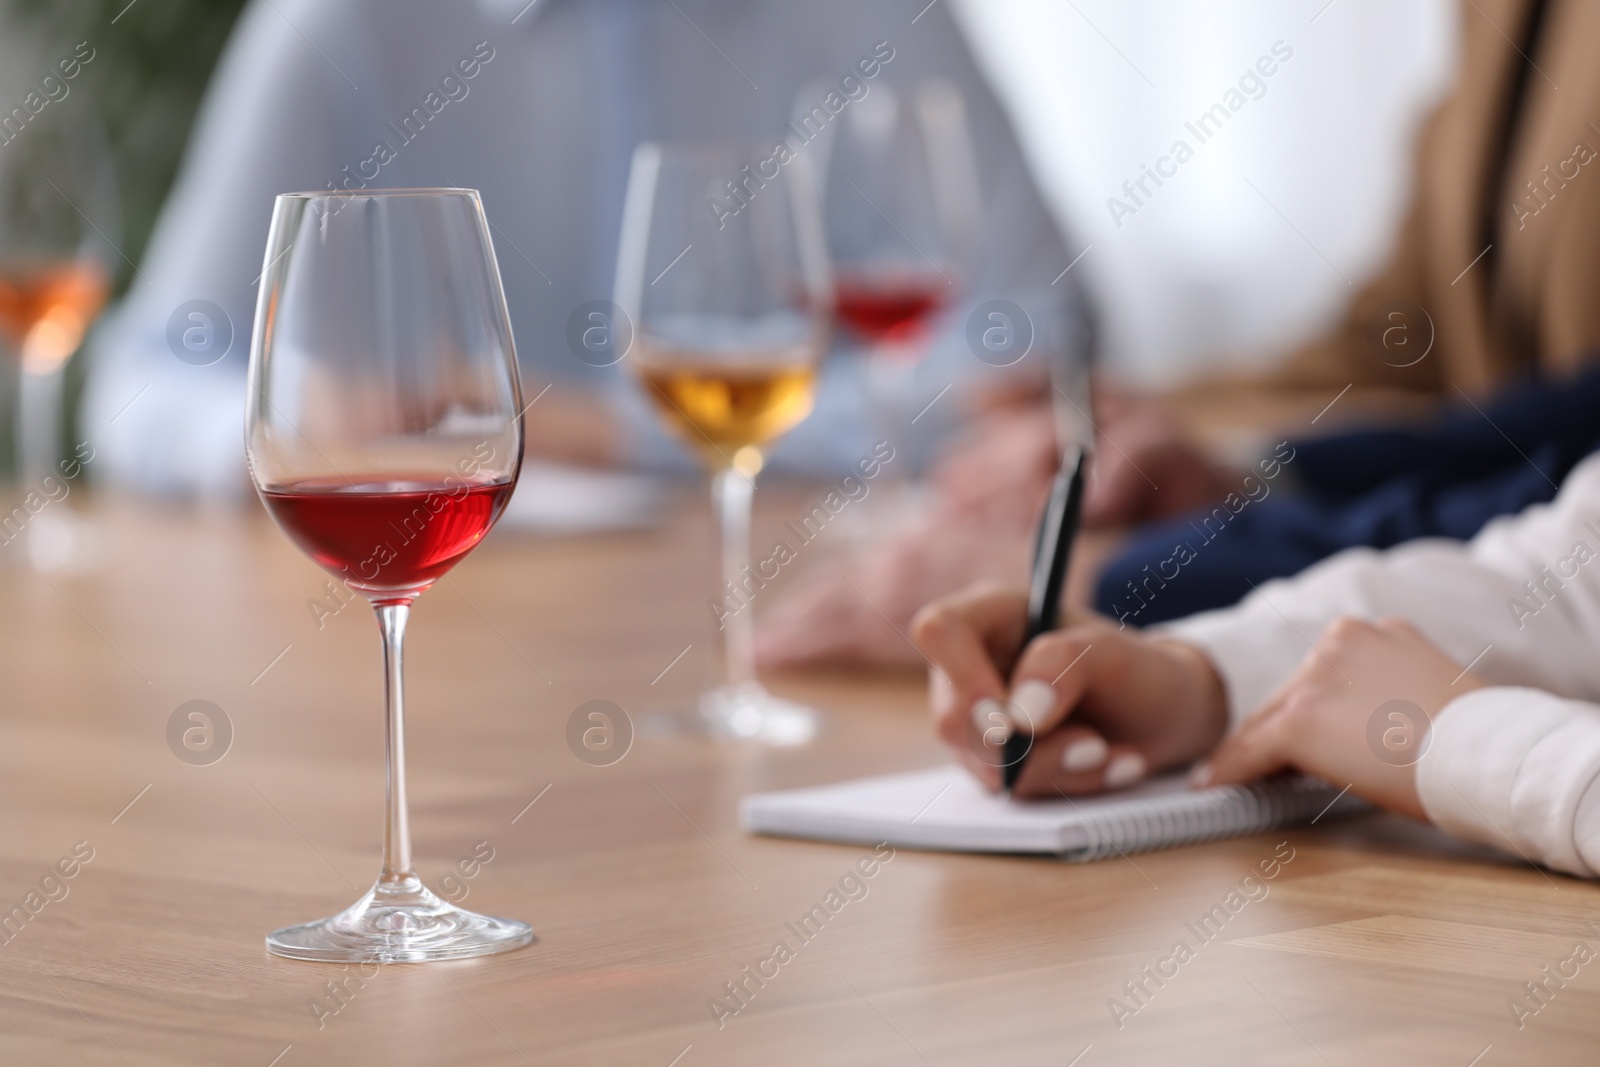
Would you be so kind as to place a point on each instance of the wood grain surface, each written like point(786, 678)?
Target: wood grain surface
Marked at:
point(1380, 942)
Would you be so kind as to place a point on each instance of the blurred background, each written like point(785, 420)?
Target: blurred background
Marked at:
point(146, 82)
point(1208, 273)
point(143, 88)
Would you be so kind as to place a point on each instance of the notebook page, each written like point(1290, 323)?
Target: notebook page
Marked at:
point(943, 808)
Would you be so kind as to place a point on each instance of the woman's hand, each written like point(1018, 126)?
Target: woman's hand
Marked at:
point(1106, 707)
point(1349, 714)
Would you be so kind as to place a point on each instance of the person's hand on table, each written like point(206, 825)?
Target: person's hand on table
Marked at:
point(1145, 468)
point(1317, 721)
point(856, 609)
point(1002, 466)
point(576, 426)
point(1107, 707)
point(978, 524)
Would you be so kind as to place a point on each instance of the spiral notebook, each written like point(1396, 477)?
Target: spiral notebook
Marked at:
point(944, 809)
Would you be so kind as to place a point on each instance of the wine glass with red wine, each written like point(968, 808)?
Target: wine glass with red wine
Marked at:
point(901, 209)
point(384, 434)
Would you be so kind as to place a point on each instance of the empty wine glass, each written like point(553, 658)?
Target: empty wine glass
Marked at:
point(59, 223)
point(723, 275)
point(384, 434)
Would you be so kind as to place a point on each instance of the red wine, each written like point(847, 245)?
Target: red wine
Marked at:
point(389, 537)
point(888, 307)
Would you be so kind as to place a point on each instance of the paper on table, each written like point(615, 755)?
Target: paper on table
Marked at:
point(944, 808)
point(560, 499)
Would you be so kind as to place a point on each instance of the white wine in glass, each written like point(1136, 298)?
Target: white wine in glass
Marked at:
point(723, 273)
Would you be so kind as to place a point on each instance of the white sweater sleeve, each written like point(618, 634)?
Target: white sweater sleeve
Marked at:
point(1515, 765)
point(1518, 769)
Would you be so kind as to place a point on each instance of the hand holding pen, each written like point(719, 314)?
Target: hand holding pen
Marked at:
point(1045, 712)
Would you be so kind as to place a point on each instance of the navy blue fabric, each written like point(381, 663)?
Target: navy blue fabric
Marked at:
point(1372, 487)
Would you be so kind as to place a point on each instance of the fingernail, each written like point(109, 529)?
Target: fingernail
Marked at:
point(994, 726)
point(1035, 699)
point(1124, 770)
point(1084, 754)
point(1200, 777)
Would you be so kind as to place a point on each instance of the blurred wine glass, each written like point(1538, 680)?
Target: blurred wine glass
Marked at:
point(722, 275)
point(60, 222)
point(901, 210)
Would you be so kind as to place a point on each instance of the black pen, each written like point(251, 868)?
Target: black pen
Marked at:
point(1053, 552)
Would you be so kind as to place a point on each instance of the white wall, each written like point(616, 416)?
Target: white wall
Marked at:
point(1207, 271)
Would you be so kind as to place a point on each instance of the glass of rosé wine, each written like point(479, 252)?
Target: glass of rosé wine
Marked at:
point(60, 221)
point(384, 433)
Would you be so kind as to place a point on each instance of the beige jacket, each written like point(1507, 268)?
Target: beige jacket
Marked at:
point(1498, 261)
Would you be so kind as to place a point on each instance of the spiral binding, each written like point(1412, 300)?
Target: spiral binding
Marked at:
point(1230, 811)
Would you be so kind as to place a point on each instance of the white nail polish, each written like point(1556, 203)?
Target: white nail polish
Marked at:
point(1034, 699)
point(1084, 754)
point(1125, 770)
point(994, 726)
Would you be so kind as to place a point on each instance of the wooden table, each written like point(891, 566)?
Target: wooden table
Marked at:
point(1379, 943)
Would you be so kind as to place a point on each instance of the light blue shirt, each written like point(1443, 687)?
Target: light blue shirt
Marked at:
point(560, 93)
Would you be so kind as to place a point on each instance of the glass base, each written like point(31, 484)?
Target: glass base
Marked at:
point(749, 713)
point(402, 922)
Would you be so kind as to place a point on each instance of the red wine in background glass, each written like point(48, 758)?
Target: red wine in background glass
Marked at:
point(890, 306)
point(388, 536)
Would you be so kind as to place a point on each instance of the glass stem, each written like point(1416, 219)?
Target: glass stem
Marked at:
point(39, 423)
point(891, 378)
point(396, 825)
point(731, 495)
